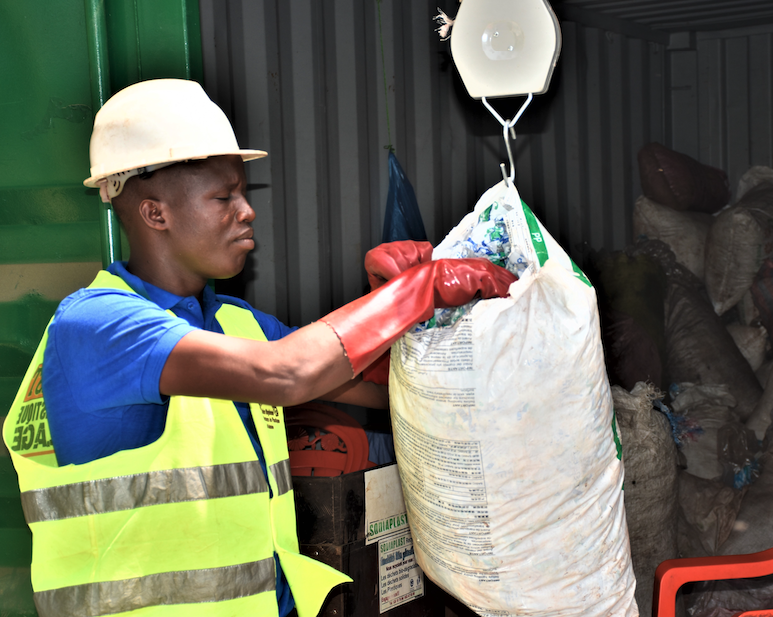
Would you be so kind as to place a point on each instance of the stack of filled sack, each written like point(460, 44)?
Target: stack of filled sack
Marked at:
point(686, 311)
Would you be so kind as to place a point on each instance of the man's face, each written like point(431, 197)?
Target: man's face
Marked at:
point(211, 228)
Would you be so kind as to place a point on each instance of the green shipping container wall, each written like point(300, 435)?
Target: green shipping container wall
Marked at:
point(59, 61)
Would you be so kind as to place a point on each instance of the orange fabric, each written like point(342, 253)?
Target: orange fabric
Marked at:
point(344, 444)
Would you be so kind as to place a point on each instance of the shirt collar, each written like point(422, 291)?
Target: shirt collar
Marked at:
point(165, 299)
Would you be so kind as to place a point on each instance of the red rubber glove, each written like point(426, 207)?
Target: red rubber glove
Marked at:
point(387, 260)
point(382, 264)
point(378, 372)
point(368, 326)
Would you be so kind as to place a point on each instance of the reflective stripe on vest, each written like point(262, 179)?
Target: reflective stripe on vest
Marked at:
point(181, 588)
point(182, 521)
point(141, 490)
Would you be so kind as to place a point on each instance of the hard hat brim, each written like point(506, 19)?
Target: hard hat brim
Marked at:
point(247, 155)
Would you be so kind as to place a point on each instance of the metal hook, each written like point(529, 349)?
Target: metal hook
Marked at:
point(508, 126)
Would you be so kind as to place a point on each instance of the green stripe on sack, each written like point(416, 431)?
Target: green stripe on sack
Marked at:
point(537, 240)
point(618, 445)
point(580, 274)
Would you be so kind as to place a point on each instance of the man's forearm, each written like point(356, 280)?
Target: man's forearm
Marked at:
point(362, 393)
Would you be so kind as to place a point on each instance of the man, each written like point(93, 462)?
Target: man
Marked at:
point(156, 490)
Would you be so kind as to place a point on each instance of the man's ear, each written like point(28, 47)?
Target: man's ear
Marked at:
point(154, 214)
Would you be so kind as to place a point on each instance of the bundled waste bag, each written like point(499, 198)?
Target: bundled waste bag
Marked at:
point(684, 232)
point(402, 220)
point(679, 181)
point(504, 434)
point(739, 240)
point(651, 484)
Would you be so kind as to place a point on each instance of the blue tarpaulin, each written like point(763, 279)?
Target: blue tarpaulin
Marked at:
point(403, 218)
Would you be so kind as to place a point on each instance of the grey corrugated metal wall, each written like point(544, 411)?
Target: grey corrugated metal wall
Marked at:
point(303, 79)
point(681, 15)
point(721, 103)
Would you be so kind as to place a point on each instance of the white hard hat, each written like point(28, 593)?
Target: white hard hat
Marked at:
point(159, 121)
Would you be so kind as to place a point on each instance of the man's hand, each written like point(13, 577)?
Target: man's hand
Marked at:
point(368, 326)
point(382, 264)
point(387, 260)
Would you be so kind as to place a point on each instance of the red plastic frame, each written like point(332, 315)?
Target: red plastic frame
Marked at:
point(673, 573)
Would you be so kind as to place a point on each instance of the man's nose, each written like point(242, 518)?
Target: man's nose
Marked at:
point(245, 213)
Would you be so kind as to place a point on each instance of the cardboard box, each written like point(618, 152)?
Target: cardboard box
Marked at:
point(331, 528)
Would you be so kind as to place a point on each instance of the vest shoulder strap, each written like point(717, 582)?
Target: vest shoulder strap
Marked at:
point(240, 322)
point(106, 280)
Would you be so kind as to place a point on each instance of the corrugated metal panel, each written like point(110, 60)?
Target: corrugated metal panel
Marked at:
point(682, 14)
point(304, 80)
point(722, 100)
point(579, 170)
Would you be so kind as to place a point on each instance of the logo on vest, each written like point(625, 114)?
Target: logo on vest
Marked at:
point(30, 436)
point(31, 433)
point(35, 386)
point(270, 415)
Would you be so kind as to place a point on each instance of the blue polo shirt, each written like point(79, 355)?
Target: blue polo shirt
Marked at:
point(103, 361)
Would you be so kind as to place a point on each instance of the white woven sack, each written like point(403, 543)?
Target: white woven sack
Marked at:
point(684, 232)
point(505, 442)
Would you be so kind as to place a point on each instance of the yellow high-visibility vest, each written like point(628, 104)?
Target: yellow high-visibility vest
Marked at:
point(183, 526)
